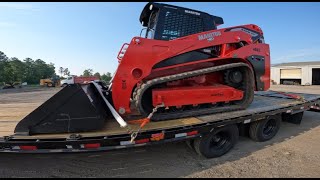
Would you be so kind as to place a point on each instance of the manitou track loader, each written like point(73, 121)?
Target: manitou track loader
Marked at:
point(184, 66)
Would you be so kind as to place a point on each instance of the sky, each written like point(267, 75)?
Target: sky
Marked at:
point(82, 35)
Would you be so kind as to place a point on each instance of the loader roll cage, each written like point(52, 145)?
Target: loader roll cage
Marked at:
point(167, 22)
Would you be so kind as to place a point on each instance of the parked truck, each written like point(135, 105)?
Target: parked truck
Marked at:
point(78, 79)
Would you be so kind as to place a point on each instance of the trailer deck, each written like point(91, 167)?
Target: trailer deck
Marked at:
point(113, 137)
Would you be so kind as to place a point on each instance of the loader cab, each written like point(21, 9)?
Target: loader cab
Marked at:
point(167, 22)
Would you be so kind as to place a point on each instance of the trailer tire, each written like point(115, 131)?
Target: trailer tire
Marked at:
point(218, 142)
point(264, 130)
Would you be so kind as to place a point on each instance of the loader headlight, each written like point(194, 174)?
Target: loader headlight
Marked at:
point(121, 56)
point(123, 51)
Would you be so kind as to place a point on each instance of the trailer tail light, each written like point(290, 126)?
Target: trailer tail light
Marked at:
point(180, 135)
point(192, 133)
point(91, 146)
point(28, 148)
point(157, 137)
point(124, 143)
point(315, 107)
point(141, 141)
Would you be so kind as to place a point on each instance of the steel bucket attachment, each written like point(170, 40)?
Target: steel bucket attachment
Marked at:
point(75, 108)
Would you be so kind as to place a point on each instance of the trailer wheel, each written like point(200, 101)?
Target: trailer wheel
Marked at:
point(264, 130)
point(218, 142)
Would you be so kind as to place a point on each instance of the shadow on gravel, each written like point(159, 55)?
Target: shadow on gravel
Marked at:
point(166, 160)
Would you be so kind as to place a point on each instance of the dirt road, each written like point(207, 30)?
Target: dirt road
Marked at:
point(294, 152)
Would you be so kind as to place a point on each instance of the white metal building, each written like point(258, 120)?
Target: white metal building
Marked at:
point(303, 73)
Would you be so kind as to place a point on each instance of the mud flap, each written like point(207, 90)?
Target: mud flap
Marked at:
point(75, 108)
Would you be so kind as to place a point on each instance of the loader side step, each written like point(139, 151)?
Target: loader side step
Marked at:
point(195, 95)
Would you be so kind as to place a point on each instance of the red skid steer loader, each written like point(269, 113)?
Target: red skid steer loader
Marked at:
point(183, 66)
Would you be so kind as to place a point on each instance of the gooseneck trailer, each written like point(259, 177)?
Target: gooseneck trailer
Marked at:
point(210, 135)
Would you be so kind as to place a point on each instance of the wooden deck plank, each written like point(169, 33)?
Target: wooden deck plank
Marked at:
point(11, 114)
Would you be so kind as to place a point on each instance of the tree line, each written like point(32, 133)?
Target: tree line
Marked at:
point(105, 77)
point(28, 70)
point(31, 71)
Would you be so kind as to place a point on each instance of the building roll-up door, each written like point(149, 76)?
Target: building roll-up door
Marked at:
point(291, 73)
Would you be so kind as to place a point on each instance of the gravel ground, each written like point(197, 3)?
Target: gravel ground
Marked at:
point(293, 152)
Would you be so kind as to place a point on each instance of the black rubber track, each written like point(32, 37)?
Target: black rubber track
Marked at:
point(240, 105)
